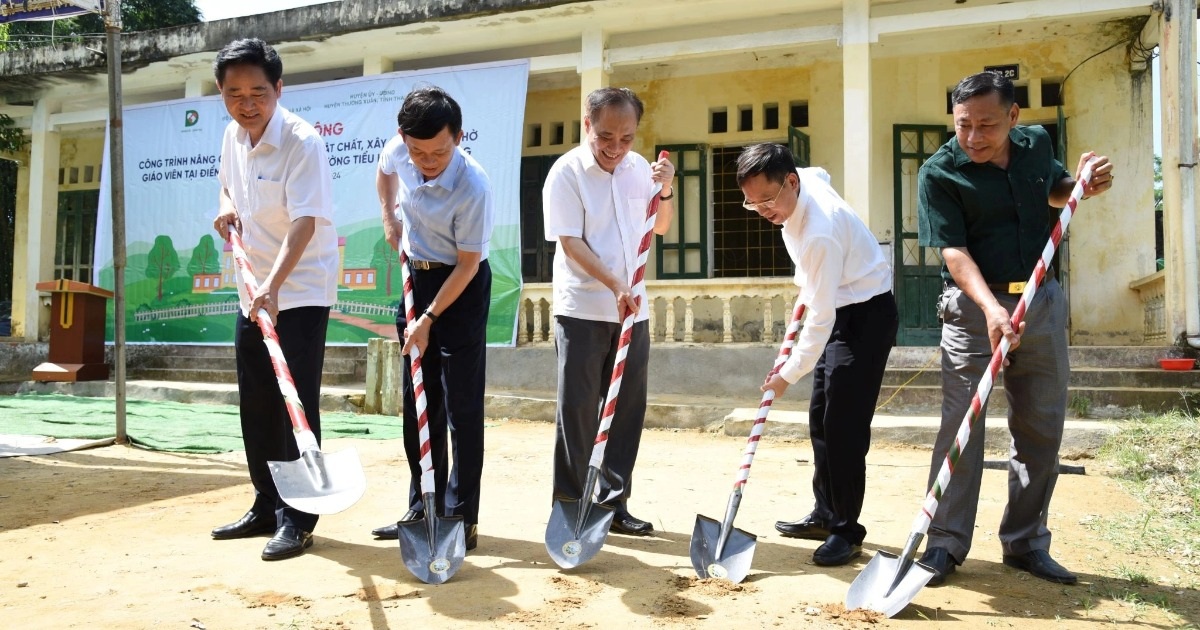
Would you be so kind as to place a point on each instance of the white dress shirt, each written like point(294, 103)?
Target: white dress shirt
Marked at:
point(453, 211)
point(608, 211)
point(284, 177)
point(838, 263)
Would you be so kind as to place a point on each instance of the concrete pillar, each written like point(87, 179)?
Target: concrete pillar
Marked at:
point(593, 69)
point(200, 84)
point(1177, 50)
point(376, 65)
point(856, 104)
point(33, 256)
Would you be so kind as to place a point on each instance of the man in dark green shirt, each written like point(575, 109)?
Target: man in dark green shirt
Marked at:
point(988, 200)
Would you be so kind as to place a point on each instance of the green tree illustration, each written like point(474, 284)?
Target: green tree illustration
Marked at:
point(205, 258)
point(384, 260)
point(163, 262)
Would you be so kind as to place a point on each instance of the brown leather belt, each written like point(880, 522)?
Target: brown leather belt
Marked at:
point(425, 265)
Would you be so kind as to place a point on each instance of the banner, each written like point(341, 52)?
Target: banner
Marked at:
point(180, 282)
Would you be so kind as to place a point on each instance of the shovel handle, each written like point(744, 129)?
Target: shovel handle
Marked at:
point(418, 381)
point(929, 507)
point(764, 407)
point(618, 371)
point(287, 385)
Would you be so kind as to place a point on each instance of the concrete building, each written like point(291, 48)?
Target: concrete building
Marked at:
point(859, 87)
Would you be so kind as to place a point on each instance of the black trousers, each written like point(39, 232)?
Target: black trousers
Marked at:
point(586, 353)
point(266, 428)
point(846, 385)
point(454, 367)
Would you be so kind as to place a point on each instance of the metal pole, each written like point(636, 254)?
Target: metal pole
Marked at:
point(116, 174)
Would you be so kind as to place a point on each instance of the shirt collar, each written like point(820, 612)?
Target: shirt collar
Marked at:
point(802, 201)
point(272, 135)
point(1017, 139)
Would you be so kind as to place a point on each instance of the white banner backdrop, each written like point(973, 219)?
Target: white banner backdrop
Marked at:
point(179, 280)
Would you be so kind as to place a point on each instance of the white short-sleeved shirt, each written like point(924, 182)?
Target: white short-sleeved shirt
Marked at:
point(284, 177)
point(606, 210)
point(838, 262)
point(453, 211)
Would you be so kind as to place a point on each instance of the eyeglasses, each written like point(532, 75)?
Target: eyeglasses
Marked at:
point(764, 205)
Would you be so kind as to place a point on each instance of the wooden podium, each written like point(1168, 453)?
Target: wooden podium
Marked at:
point(76, 332)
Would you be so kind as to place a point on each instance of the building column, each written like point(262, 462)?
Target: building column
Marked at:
point(200, 84)
point(33, 256)
point(1177, 49)
point(856, 105)
point(593, 68)
point(376, 65)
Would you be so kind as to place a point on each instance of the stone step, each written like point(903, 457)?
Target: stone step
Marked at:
point(184, 362)
point(204, 375)
point(1080, 377)
point(1082, 402)
point(1080, 356)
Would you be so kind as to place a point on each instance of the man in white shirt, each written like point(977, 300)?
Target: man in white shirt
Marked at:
point(595, 200)
point(850, 329)
point(277, 191)
point(436, 203)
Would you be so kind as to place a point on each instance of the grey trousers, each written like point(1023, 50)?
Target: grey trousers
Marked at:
point(586, 352)
point(1035, 383)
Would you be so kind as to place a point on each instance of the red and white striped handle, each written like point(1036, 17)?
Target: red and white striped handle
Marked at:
point(305, 439)
point(764, 407)
point(418, 380)
point(618, 372)
point(929, 507)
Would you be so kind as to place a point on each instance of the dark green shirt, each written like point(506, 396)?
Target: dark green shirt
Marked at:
point(1003, 217)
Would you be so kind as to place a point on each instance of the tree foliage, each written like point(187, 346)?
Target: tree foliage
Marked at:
point(384, 259)
point(163, 262)
point(205, 259)
point(136, 15)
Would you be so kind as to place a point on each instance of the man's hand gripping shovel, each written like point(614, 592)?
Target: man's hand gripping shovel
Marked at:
point(317, 483)
point(578, 527)
point(890, 582)
point(433, 548)
point(719, 549)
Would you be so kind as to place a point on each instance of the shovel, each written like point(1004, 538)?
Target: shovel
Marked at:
point(719, 549)
point(889, 582)
point(316, 483)
point(433, 547)
point(578, 527)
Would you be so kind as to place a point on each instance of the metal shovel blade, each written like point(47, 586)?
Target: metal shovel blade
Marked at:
point(873, 588)
point(320, 483)
point(576, 531)
point(433, 547)
point(735, 559)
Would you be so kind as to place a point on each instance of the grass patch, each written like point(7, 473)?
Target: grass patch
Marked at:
point(1157, 459)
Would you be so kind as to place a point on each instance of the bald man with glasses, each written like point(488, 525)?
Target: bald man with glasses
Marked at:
point(850, 329)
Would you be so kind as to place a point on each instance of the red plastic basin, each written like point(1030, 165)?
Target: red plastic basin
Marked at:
point(1177, 364)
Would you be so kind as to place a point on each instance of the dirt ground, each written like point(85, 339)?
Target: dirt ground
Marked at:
point(118, 538)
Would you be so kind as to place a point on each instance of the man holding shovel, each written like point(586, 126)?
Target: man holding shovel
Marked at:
point(436, 203)
point(846, 285)
point(595, 200)
point(277, 192)
point(985, 201)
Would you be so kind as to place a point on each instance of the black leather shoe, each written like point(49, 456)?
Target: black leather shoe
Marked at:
point(625, 523)
point(391, 530)
point(836, 551)
point(288, 542)
point(808, 528)
point(939, 561)
point(472, 536)
point(1039, 563)
point(249, 525)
